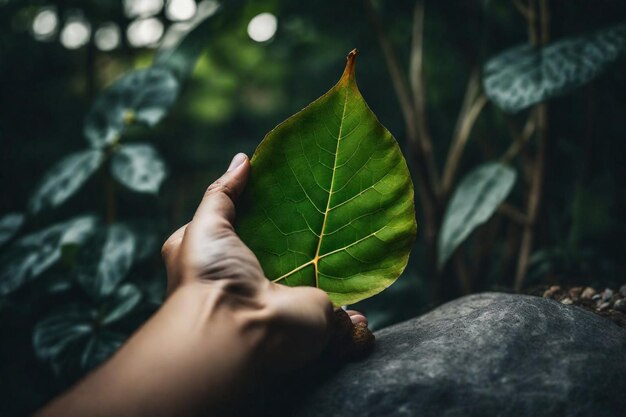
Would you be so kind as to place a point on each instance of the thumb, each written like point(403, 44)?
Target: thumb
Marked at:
point(218, 204)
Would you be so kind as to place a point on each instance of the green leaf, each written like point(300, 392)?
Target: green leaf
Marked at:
point(65, 178)
point(72, 343)
point(121, 302)
point(142, 96)
point(31, 255)
point(139, 167)
point(526, 75)
point(330, 199)
point(55, 333)
point(147, 238)
point(105, 259)
point(9, 226)
point(474, 201)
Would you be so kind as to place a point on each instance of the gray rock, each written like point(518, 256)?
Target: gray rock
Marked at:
point(482, 355)
point(620, 305)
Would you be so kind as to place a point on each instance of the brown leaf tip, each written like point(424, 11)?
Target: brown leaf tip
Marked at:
point(350, 65)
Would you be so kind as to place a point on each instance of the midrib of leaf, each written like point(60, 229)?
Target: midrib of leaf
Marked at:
point(317, 256)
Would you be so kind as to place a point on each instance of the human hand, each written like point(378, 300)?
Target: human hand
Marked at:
point(291, 325)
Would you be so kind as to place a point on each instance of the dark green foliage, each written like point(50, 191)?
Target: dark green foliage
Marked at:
point(33, 254)
point(105, 259)
point(139, 167)
point(65, 178)
point(9, 225)
point(527, 74)
point(474, 201)
point(78, 338)
point(142, 96)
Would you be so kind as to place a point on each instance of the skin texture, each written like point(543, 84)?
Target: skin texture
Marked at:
point(224, 331)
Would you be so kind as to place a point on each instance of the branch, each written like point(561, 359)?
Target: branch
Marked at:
point(513, 213)
point(536, 188)
point(520, 139)
point(534, 198)
point(416, 80)
point(400, 86)
point(470, 110)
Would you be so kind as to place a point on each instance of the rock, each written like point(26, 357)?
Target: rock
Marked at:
point(604, 306)
point(567, 301)
point(622, 291)
point(620, 305)
point(596, 297)
point(588, 293)
point(574, 292)
point(551, 291)
point(481, 355)
point(607, 294)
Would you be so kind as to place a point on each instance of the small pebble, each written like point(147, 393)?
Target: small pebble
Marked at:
point(551, 291)
point(622, 290)
point(596, 297)
point(574, 292)
point(567, 301)
point(607, 294)
point(588, 293)
point(620, 305)
point(604, 306)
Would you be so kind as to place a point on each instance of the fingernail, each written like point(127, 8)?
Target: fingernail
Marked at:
point(239, 159)
point(358, 319)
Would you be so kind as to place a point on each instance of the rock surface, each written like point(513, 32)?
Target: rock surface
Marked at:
point(482, 355)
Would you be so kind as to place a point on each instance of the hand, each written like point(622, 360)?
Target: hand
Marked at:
point(292, 323)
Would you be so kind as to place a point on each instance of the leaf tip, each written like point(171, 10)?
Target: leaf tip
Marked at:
point(348, 72)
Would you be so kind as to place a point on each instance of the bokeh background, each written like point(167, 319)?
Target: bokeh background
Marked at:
point(267, 62)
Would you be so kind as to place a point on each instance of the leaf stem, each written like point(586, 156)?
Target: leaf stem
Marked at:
point(473, 104)
point(513, 213)
point(416, 81)
point(537, 179)
point(520, 139)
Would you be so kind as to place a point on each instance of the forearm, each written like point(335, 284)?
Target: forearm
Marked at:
point(162, 370)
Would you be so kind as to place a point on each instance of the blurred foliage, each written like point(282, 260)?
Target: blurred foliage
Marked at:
point(88, 144)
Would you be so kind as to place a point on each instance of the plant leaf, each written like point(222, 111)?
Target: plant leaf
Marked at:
point(31, 255)
point(526, 75)
point(100, 347)
point(9, 226)
point(56, 332)
point(139, 167)
point(105, 259)
point(121, 302)
point(143, 96)
point(65, 178)
point(330, 199)
point(474, 201)
point(146, 237)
